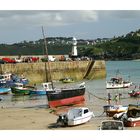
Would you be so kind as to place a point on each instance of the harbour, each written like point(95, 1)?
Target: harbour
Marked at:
point(96, 97)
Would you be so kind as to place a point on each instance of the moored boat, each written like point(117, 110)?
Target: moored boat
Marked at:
point(134, 93)
point(67, 96)
point(9, 79)
point(131, 118)
point(42, 89)
point(117, 82)
point(20, 89)
point(4, 90)
point(67, 80)
point(110, 110)
point(75, 116)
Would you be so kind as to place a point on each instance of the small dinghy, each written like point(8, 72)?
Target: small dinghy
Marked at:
point(111, 125)
point(75, 116)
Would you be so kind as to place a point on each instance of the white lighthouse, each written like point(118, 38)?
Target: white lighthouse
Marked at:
point(74, 47)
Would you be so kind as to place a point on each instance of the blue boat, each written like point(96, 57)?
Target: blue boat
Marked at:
point(8, 80)
point(42, 89)
point(4, 90)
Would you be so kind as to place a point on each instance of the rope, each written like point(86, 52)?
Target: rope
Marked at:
point(101, 114)
point(95, 96)
point(104, 97)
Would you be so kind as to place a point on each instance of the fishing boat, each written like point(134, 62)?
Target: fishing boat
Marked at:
point(4, 90)
point(117, 82)
point(75, 116)
point(42, 89)
point(131, 118)
point(9, 79)
point(134, 93)
point(67, 96)
point(112, 125)
point(20, 89)
point(63, 96)
point(110, 110)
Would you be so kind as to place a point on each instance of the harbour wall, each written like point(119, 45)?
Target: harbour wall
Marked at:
point(39, 72)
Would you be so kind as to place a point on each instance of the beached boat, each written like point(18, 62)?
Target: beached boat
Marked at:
point(110, 110)
point(63, 96)
point(111, 125)
point(131, 118)
point(20, 89)
point(42, 89)
point(67, 96)
point(117, 82)
point(134, 93)
point(75, 116)
point(4, 90)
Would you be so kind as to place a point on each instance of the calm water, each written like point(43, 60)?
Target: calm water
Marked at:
point(130, 70)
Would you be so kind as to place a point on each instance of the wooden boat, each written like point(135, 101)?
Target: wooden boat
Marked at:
point(75, 116)
point(110, 110)
point(117, 82)
point(4, 90)
point(67, 96)
point(20, 89)
point(134, 93)
point(131, 118)
point(112, 125)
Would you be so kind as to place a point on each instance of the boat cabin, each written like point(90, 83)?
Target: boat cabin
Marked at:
point(5, 76)
point(18, 85)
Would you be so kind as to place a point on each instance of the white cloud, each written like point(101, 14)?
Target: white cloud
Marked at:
point(47, 18)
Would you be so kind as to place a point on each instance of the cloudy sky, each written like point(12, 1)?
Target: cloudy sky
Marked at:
point(16, 26)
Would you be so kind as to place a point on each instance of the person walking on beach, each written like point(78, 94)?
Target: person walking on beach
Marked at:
point(109, 98)
point(120, 98)
point(116, 99)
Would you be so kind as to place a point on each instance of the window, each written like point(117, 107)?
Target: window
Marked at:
point(85, 111)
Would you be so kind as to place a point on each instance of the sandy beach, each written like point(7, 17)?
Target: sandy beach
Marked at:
point(45, 119)
point(37, 119)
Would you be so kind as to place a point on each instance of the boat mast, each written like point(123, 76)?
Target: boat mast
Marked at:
point(46, 52)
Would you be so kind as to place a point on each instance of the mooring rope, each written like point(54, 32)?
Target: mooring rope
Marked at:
point(101, 98)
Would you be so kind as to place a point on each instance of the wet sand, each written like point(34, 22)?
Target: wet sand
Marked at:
point(45, 119)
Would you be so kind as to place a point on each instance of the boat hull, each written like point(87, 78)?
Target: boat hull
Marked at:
point(38, 92)
point(17, 91)
point(132, 123)
point(4, 91)
point(80, 120)
point(112, 110)
point(67, 101)
point(116, 86)
point(66, 97)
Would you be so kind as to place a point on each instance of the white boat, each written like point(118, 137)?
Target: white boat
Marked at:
point(131, 118)
point(110, 110)
point(117, 82)
point(111, 125)
point(75, 116)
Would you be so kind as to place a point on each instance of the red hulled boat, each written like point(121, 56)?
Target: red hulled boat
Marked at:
point(67, 96)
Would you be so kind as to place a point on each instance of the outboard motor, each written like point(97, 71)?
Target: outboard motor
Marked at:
point(62, 120)
point(120, 117)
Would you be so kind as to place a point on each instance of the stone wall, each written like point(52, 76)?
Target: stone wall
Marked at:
point(36, 72)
